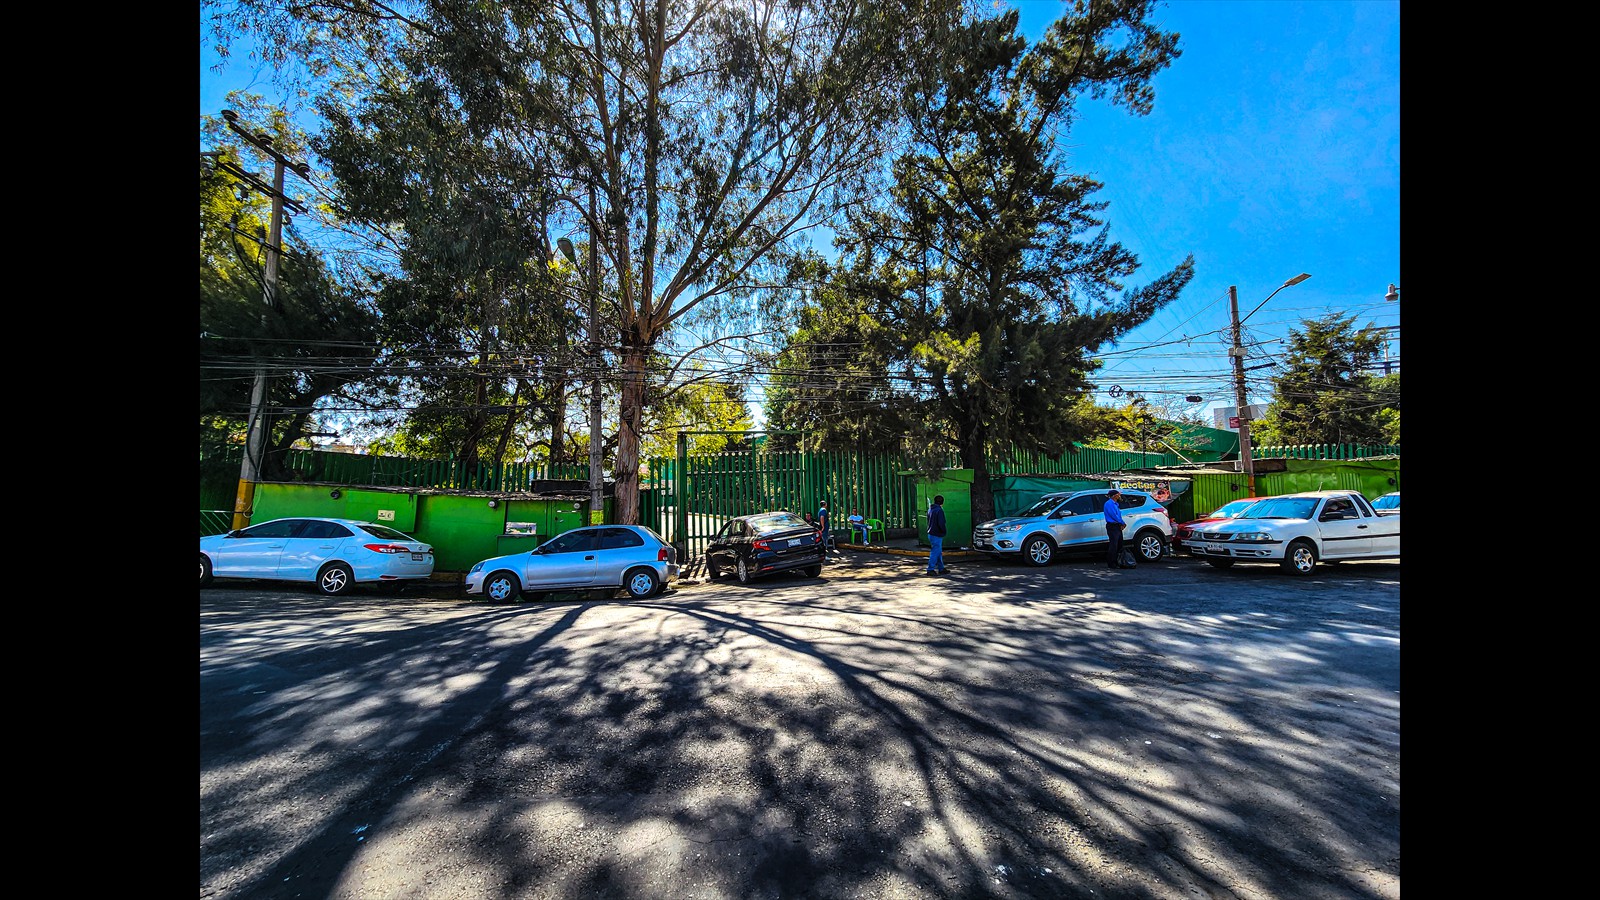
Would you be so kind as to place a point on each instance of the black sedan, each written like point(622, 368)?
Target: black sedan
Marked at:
point(752, 546)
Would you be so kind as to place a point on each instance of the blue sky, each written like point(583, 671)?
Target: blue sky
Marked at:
point(1273, 149)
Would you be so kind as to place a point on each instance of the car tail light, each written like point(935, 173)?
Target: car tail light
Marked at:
point(388, 548)
point(661, 555)
point(760, 545)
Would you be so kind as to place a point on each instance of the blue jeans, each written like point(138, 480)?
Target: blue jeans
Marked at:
point(936, 554)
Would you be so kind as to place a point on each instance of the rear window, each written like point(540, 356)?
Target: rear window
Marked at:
point(387, 533)
point(1132, 501)
point(325, 530)
point(618, 538)
point(777, 522)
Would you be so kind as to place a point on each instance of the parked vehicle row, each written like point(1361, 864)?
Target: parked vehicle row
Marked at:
point(1295, 531)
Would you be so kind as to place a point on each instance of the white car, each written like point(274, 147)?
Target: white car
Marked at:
point(334, 554)
point(1388, 504)
point(1297, 531)
point(628, 557)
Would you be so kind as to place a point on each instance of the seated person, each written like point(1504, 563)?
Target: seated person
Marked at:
point(858, 524)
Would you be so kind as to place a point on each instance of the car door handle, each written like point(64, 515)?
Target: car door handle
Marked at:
point(1361, 526)
point(590, 556)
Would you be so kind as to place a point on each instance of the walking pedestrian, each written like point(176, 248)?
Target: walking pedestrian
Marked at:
point(936, 531)
point(1114, 527)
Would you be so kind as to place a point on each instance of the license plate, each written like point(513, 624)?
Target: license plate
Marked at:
point(1208, 548)
point(417, 557)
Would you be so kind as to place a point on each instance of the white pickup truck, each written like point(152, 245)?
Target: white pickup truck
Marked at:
point(1297, 531)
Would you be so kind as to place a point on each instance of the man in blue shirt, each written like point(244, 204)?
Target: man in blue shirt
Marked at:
point(1114, 525)
point(936, 531)
point(823, 526)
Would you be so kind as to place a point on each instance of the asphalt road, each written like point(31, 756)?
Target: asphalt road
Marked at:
point(1168, 732)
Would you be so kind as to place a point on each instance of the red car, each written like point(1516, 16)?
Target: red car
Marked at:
point(1230, 510)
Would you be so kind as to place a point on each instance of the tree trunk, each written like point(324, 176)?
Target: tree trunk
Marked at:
point(973, 438)
point(631, 418)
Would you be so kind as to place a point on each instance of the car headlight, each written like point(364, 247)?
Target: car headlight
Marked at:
point(475, 569)
point(1252, 536)
point(1012, 527)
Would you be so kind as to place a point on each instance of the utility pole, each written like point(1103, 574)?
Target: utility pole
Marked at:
point(1237, 352)
point(256, 439)
point(596, 482)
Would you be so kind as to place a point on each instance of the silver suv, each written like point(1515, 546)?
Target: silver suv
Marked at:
point(1075, 522)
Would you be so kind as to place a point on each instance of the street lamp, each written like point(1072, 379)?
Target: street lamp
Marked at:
point(1237, 352)
point(1393, 295)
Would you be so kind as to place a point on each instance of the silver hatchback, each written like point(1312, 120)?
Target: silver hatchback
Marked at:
point(1075, 522)
point(627, 557)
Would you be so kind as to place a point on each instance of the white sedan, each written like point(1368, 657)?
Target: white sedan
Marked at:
point(1297, 531)
point(334, 554)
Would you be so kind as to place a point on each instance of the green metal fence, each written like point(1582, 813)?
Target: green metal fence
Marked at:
point(1324, 451)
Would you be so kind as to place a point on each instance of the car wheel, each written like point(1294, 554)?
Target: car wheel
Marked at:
point(502, 587)
point(1219, 563)
point(712, 572)
point(1148, 545)
point(744, 572)
point(1038, 551)
point(336, 579)
point(813, 571)
point(641, 583)
point(205, 570)
point(1300, 558)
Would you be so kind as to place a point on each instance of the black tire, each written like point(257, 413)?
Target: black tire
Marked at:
point(1219, 563)
point(502, 587)
point(1300, 557)
point(1038, 551)
point(813, 571)
point(1148, 545)
point(641, 583)
point(712, 572)
point(743, 570)
point(205, 570)
point(336, 580)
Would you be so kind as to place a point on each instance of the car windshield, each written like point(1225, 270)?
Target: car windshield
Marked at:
point(385, 532)
point(1233, 509)
point(1042, 508)
point(1388, 501)
point(1280, 508)
point(772, 522)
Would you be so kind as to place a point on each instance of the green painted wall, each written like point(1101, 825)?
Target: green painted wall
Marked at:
point(956, 486)
point(1369, 476)
point(462, 529)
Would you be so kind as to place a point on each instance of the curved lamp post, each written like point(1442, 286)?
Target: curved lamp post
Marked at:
point(1237, 352)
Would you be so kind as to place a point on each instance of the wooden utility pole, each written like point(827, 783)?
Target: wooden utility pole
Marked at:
point(256, 438)
point(1237, 352)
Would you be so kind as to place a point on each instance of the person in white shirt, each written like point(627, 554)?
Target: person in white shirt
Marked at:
point(858, 524)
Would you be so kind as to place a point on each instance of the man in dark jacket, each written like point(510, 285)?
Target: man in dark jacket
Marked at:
point(936, 531)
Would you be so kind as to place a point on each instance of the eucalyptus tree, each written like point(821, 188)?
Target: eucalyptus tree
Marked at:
point(991, 261)
point(710, 131)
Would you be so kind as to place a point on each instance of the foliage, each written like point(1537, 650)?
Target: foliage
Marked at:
point(1324, 392)
point(316, 339)
point(991, 261)
point(713, 132)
